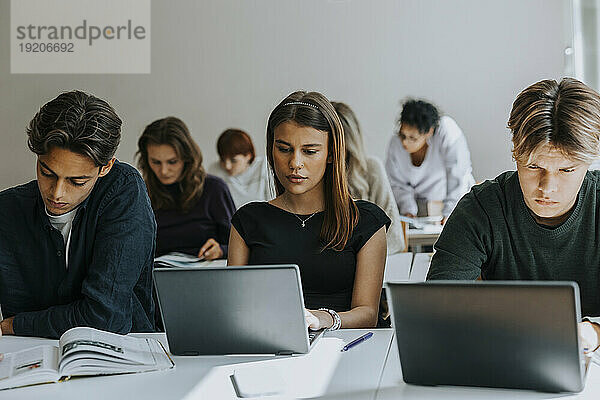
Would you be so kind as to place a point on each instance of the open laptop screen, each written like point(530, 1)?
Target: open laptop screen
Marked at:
point(499, 334)
point(233, 310)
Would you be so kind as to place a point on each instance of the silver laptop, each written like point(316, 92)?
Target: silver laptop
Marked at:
point(233, 310)
point(520, 335)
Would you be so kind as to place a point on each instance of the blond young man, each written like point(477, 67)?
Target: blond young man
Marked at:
point(540, 222)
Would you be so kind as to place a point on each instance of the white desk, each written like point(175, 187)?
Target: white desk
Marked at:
point(393, 387)
point(427, 236)
point(356, 376)
point(369, 371)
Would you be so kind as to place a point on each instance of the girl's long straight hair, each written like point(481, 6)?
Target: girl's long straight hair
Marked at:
point(341, 214)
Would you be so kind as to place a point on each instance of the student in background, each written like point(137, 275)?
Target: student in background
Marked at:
point(193, 210)
point(246, 175)
point(539, 222)
point(77, 243)
point(339, 244)
point(428, 160)
point(367, 179)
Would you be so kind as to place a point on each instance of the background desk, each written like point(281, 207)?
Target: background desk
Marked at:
point(427, 236)
point(357, 374)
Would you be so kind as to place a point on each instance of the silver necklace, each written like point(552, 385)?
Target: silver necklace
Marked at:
point(303, 221)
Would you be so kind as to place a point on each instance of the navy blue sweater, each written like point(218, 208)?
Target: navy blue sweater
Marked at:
point(108, 284)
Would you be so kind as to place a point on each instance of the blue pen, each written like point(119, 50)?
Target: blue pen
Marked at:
point(357, 341)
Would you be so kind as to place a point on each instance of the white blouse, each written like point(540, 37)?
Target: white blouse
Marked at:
point(445, 174)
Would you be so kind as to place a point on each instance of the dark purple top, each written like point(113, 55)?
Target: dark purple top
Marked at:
point(209, 218)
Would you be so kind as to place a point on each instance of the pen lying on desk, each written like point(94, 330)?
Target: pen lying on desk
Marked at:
point(357, 341)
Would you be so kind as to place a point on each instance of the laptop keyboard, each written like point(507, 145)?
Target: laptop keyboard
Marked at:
point(312, 335)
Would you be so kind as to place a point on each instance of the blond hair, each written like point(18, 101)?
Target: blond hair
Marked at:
point(356, 159)
point(565, 115)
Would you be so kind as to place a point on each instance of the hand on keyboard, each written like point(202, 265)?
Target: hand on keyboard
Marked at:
point(311, 320)
point(317, 319)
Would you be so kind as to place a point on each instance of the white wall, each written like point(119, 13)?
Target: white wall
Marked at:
point(219, 64)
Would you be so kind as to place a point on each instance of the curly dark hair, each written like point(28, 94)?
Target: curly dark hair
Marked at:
point(78, 122)
point(420, 114)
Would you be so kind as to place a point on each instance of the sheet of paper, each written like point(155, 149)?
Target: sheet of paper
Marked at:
point(303, 376)
point(421, 222)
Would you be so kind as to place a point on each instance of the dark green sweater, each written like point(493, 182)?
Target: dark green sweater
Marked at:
point(492, 233)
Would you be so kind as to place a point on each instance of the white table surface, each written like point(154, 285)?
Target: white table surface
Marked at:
point(369, 371)
point(357, 374)
point(393, 387)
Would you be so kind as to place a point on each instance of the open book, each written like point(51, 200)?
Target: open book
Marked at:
point(82, 351)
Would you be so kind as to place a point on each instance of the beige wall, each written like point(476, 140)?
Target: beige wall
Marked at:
point(219, 64)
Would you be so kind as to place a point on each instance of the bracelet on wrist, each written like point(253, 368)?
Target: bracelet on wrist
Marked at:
point(337, 321)
point(587, 331)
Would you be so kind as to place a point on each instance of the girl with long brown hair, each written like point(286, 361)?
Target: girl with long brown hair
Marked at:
point(192, 209)
point(339, 244)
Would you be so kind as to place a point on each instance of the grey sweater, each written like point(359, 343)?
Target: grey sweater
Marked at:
point(380, 193)
point(491, 233)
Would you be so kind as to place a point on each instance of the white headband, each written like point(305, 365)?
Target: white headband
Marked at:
point(300, 103)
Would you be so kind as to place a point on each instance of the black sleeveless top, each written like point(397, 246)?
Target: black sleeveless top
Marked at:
point(276, 236)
